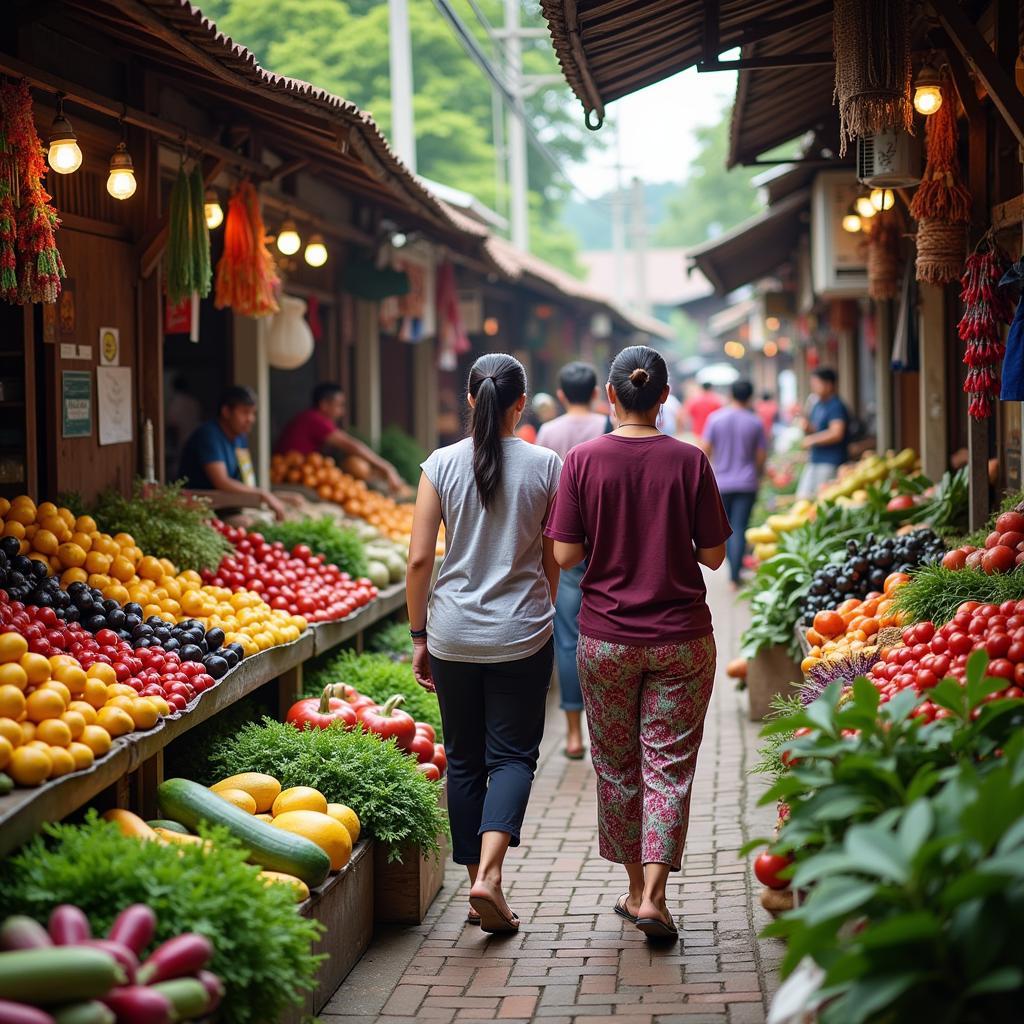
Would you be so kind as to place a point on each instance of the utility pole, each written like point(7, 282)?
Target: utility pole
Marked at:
point(619, 226)
point(639, 232)
point(403, 132)
point(517, 175)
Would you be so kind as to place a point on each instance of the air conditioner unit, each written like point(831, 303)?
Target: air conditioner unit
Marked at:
point(838, 258)
point(889, 160)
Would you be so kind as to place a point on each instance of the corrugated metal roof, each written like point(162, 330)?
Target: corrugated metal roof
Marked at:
point(611, 48)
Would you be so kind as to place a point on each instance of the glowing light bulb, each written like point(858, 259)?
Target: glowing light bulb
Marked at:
point(491, 326)
point(771, 350)
point(288, 241)
point(212, 210)
point(882, 198)
point(316, 251)
point(121, 183)
point(851, 223)
point(927, 90)
point(862, 204)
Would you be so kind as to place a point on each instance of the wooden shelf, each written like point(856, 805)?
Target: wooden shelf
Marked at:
point(25, 811)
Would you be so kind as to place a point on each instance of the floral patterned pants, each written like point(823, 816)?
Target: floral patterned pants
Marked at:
point(645, 712)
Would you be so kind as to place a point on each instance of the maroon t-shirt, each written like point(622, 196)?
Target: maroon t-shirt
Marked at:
point(640, 506)
point(305, 433)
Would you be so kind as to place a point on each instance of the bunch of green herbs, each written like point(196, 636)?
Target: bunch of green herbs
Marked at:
point(164, 523)
point(339, 546)
point(934, 593)
point(263, 950)
point(392, 639)
point(397, 805)
point(377, 676)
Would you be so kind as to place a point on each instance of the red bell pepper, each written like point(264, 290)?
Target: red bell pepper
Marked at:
point(321, 712)
point(389, 722)
point(422, 748)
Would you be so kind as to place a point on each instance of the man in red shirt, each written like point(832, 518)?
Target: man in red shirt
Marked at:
point(700, 406)
point(317, 427)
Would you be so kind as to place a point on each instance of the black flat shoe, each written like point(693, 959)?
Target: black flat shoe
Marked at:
point(472, 918)
point(620, 908)
point(655, 928)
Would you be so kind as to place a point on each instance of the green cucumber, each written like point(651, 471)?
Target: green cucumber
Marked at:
point(92, 1012)
point(171, 826)
point(273, 848)
point(60, 974)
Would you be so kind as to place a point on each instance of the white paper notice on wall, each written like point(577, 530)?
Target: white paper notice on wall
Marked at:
point(114, 403)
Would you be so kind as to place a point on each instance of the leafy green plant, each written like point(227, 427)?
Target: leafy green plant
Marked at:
point(325, 537)
point(378, 677)
point(164, 523)
point(392, 639)
point(262, 947)
point(403, 452)
point(396, 803)
point(934, 593)
point(977, 539)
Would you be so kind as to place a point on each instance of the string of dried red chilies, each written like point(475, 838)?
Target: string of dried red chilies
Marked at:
point(986, 310)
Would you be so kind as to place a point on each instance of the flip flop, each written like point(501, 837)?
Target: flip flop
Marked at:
point(576, 755)
point(620, 908)
point(472, 918)
point(655, 928)
point(491, 918)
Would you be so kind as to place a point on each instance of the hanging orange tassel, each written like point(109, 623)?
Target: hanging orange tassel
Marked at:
point(246, 274)
point(942, 194)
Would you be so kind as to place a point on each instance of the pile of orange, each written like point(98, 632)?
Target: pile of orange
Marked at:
point(77, 551)
point(320, 473)
point(854, 625)
point(56, 717)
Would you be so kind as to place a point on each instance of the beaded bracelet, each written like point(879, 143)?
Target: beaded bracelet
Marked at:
point(418, 634)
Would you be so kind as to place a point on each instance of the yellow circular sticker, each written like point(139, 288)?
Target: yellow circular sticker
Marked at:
point(110, 346)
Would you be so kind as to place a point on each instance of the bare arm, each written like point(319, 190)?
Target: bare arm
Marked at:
point(217, 473)
point(759, 460)
point(711, 557)
point(568, 555)
point(551, 567)
point(341, 441)
point(832, 434)
point(426, 521)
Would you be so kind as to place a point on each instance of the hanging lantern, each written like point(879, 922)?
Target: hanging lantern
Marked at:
point(290, 339)
point(121, 182)
point(288, 241)
point(212, 210)
point(63, 154)
point(927, 90)
point(316, 251)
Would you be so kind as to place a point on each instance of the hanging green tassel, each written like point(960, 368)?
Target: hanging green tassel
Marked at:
point(202, 273)
point(179, 248)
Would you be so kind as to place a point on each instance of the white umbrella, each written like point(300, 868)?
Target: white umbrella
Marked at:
point(718, 375)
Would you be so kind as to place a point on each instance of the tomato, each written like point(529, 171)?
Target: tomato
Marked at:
point(1014, 692)
point(997, 645)
point(429, 769)
point(923, 632)
point(767, 868)
point(1000, 668)
point(926, 679)
point(1018, 675)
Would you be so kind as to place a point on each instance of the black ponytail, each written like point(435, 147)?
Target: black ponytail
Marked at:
point(496, 382)
point(639, 376)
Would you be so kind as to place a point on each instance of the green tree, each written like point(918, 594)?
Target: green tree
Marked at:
point(710, 200)
point(342, 46)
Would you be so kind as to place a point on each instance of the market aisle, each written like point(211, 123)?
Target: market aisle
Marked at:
point(574, 961)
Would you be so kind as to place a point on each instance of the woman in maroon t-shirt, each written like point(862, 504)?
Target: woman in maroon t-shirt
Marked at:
point(644, 510)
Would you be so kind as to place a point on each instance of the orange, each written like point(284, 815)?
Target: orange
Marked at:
point(80, 707)
point(97, 563)
point(72, 676)
point(814, 638)
point(11, 731)
point(58, 687)
point(71, 556)
point(82, 756)
point(829, 624)
point(6, 749)
point(95, 693)
point(115, 592)
point(124, 540)
point(101, 670)
point(28, 731)
point(12, 674)
point(75, 721)
point(12, 528)
point(12, 701)
point(122, 569)
point(144, 714)
point(70, 576)
point(23, 514)
point(85, 524)
point(29, 766)
point(68, 516)
point(45, 542)
point(43, 704)
point(150, 568)
point(56, 660)
point(116, 721)
point(55, 732)
point(12, 646)
point(118, 701)
point(121, 690)
point(61, 762)
point(97, 739)
point(83, 540)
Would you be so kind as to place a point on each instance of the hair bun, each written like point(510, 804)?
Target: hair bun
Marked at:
point(640, 377)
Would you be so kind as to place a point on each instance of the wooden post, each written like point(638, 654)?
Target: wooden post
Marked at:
point(932, 381)
point(149, 775)
point(368, 380)
point(425, 385)
point(252, 370)
point(884, 436)
point(289, 689)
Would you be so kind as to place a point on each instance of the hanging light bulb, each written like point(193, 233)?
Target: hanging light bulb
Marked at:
point(316, 251)
point(882, 198)
point(121, 182)
point(864, 208)
point(927, 90)
point(63, 154)
point(851, 221)
point(288, 241)
point(212, 210)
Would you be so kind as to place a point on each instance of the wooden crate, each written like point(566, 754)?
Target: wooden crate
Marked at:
point(404, 889)
point(770, 672)
point(344, 906)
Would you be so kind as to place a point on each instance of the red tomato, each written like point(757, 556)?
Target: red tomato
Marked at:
point(440, 758)
point(767, 868)
point(1000, 668)
point(997, 645)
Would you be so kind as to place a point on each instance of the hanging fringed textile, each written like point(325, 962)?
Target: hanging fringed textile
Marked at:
point(884, 255)
point(27, 220)
point(202, 273)
point(871, 39)
point(941, 204)
point(179, 240)
point(246, 275)
point(986, 310)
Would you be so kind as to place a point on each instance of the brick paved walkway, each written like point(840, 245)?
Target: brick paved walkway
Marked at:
point(574, 961)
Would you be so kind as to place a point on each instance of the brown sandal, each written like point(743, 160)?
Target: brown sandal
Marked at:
point(622, 910)
point(472, 917)
point(491, 918)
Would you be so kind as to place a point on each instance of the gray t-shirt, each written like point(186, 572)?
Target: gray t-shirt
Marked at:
point(491, 601)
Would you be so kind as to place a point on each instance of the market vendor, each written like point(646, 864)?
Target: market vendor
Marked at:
point(826, 434)
point(216, 455)
point(317, 427)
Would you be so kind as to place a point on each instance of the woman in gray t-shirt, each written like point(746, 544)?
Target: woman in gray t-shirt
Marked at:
point(482, 636)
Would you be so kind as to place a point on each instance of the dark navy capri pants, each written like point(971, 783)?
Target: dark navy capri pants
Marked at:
point(493, 717)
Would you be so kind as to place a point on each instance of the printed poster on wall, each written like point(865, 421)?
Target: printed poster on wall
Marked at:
point(76, 403)
point(114, 403)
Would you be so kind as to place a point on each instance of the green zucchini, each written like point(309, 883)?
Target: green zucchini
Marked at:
point(190, 804)
point(171, 826)
point(92, 1012)
point(60, 974)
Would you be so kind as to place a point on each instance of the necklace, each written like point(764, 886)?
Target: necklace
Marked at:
point(649, 426)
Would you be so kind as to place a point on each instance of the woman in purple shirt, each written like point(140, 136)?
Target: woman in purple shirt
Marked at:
point(643, 509)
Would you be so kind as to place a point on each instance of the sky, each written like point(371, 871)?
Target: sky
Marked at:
point(656, 127)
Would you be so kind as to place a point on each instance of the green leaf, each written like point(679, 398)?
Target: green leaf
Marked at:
point(1006, 979)
point(914, 828)
point(977, 663)
point(949, 694)
point(822, 865)
point(865, 695)
point(878, 851)
point(834, 898)
point(916, 927)
point(867, 997)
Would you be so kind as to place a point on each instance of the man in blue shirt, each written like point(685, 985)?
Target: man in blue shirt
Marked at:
point(826, 435)
point(216, 456)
